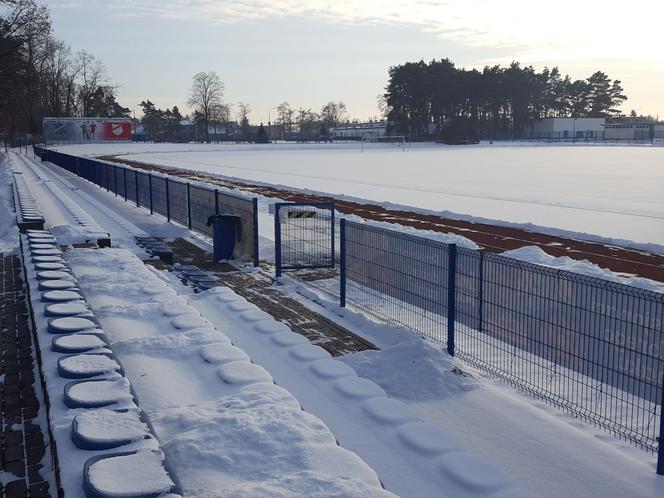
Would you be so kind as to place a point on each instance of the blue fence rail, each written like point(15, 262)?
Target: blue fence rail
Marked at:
point(592, 347)
point(183, 202)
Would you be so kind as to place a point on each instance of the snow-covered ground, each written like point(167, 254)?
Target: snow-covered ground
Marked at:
point(541, 450)
point(610, 191)
point(8, 229)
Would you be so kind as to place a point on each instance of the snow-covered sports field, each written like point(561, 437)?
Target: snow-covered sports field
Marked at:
point(611, 191)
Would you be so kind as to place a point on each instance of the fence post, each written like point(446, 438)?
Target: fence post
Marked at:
point(150, 191)
point(168, 202)
point(660, 446)
point(124, 181)
point(342, 262)
point(136, 186)
point(216, 201)
point(188, 207)
point(332, 234)
point(115, 180)
point(451, 297)
point(481, 293)
point(254, 203)
point(277, 241)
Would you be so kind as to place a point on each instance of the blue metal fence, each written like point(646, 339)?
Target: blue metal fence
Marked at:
point(590, 346)
point(190, 205)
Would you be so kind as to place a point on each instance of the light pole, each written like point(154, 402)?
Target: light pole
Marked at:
point(269, 123)
point(574, 131)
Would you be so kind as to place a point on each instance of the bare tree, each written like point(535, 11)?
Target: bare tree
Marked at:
point(243, 118)
point(308, 122)
point(220, 116)
point(332, 114)
point(92, 75)
point(285, 118)
point(205, 95)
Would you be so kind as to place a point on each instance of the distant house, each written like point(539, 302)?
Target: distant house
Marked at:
point(355, 131)
point(568, 128)
point(640, 129)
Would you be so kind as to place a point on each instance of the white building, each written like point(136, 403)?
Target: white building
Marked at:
point(568, 128)
point(359, 130)
point(633, 130)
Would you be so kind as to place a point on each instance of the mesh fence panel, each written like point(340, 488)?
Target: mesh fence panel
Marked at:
point(131, 184)
point(202, 207)
point(398, 277)
point(305, 235)
point(120, 181)
point(177, 194)
point(590, 346)
point(144, 189)
point(159, 195)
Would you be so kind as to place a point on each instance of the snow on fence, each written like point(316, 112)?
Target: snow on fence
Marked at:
point(590, 346)
point(186, 203)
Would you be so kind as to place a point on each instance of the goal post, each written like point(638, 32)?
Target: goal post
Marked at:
point(397, 140)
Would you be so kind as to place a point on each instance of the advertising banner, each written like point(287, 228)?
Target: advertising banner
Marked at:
point(86, 130)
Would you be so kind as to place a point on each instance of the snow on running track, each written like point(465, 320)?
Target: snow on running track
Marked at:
point(612, 191)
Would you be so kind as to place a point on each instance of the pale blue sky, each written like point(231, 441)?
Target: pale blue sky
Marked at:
point(311, 52)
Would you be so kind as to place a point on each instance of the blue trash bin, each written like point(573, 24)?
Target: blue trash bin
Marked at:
point(225, 232)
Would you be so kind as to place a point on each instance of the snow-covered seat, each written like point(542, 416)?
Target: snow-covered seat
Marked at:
point(59, 284)
point(48, 259)
point(33, 235)
point(78, 343)
point(51, 267)
point(97, 393)
point(71, 308)
point(40, 244)
point(103, 429)
point(54, 275)
point(134, 474)
point(46, 252)
point(70, 324)
point(60, 296)
point(86, 365)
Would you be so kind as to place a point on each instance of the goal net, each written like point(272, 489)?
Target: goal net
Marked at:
point(396, 140)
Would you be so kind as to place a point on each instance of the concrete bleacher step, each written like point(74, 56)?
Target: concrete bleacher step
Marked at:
point(28, 214)
point(82, 353)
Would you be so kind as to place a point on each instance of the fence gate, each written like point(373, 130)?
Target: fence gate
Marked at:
point(303, 235)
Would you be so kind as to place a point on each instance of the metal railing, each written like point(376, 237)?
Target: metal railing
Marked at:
point(592, 347)
point(177, 200)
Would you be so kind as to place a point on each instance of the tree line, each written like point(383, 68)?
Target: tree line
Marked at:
point(420, 96)
point(211, 112)
point(41, 76)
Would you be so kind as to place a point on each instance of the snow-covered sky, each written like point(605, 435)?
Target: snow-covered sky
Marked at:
point(310, 52)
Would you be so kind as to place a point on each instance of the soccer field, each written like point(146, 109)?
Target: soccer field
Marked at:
point(610, 191)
